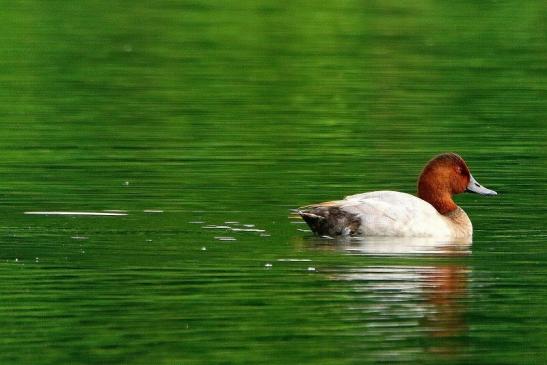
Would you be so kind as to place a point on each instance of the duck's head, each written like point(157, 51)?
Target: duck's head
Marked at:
point(445, 175)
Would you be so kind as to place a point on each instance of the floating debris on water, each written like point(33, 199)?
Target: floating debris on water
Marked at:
point(241, 228)
point(247, 230)
point(311, 268)
point(204, 248)
point(294, 260)
point(77, 213)
point(196, 222)
point(216, 227)
point(153, 211)
point(225, 238)
point(268, 265)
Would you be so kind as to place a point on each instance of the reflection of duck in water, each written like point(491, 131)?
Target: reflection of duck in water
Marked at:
point(401, 304)
point(388, 246)
point(410, 309)
point(432, 213)
point(446, 322)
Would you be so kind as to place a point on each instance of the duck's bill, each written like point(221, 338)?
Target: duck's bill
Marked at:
point(475, 187)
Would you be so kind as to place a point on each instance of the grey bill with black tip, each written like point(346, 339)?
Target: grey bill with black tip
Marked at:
point(475, 187)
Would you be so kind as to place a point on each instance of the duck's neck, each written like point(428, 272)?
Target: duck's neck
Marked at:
point(442, 201)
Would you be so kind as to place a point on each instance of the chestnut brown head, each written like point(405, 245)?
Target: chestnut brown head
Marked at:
point(445, 175)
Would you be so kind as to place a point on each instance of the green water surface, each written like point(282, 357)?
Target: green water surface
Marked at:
point(205, 122)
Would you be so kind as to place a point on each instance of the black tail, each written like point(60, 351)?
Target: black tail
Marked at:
point(330, 221)
point(316, 222)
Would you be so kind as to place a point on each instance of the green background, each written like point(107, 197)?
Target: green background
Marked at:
point(238, 111)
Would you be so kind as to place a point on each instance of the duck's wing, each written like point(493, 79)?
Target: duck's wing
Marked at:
point(391, 213)
point(346, 217)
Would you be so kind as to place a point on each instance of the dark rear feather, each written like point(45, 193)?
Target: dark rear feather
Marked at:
point(330, 220)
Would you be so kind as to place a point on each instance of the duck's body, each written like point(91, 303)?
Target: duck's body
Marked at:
point(385, 213)
point(389, 213)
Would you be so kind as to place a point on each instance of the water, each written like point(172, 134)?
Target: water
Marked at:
point(205, 122)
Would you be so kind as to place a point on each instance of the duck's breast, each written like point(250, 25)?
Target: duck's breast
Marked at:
point(392, 213)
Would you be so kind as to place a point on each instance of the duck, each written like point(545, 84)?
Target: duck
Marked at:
point(431, 213)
